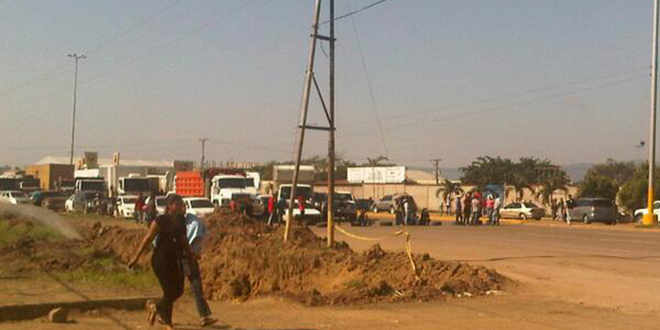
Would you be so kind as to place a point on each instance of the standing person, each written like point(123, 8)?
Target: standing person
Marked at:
point(301, 206)
point(476, 209)
point(553, 208)
point(271, 209)
point(497, 205)
point(151, 211)
point(406, 210)
point(448, 204)
point(195, 232)
point(166, 260)
point(570, 203)
point(459, 210)
point(467, 209)
point(561, 215)
point(490, 205)
point(139, 203)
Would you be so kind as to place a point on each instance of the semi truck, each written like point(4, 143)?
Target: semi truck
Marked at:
point(226, 187)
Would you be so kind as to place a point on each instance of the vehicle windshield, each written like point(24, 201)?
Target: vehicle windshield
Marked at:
point(232, 183)
point(344, 197)
point(200, 203)
point(304, 191)
point(136, 185)
point(18, 194)
point(249, 182)
point(531, 205)
point(93, 185)
point(130, 200)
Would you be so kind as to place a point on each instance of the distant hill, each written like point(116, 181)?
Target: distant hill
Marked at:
point(575, 171)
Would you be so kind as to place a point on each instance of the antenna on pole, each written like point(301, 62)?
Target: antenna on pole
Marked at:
point(329, 113)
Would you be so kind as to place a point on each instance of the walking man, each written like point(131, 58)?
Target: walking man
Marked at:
point(139, 203)
point(497, 205)
point(476, 208)
point(570, 203)
point(467, 209)
point(170, 248)
point(490, 205)
point(459, 210)
point(195, 232)
point(271, 209)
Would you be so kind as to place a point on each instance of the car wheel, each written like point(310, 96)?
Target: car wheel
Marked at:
point(638, 218)
point(585, 219)
point(523, 216)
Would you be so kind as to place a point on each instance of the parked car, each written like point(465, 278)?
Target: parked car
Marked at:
point(345, 206)
point(160, 203)
point(14, 197)
point(312, 215)
point(81, 201)
point(198, 206)
point(386, 203)
point(639, 213)
point(125, 206)
point(522, 210)
point(53, 200)
point(594, 210)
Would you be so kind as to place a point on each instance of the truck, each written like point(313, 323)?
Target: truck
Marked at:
point(135, 184)
point(7, 184)
point(226, 187)
point(188, 184)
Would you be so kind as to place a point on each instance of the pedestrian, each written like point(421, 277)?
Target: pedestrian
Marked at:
point(271, 209)
point(467, 209)
point(301, 206)
point(170, 249)
point(570, 203)
point(137, 212)
point(476, 209)
point(497, 205)
point(490, 205)
point(406, 210)
point(281, 206)
point(553, 208)
point(459, 210)
point(448, 204)
point(151, 211)
point(195, 232)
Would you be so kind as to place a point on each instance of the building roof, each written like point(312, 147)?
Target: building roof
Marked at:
point(108, 161)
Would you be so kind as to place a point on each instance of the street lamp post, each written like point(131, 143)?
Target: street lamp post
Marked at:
point(649, 218)
point(76, 57)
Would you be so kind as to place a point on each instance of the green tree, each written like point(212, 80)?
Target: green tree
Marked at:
point(604, 180)
point(633, 194)
point(448, 188)
point(487, 170)
point(556, 181)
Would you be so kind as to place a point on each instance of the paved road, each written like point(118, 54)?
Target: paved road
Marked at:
point(595, 265)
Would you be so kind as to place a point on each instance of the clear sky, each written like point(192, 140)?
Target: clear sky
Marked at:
point(563, 80)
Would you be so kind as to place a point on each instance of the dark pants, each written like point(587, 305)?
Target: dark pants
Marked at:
point(191, 270)
point(170, 276)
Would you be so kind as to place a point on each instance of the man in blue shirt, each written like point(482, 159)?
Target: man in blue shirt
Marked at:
point(195, 232)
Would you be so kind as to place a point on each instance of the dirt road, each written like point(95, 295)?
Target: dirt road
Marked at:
point(569, 278)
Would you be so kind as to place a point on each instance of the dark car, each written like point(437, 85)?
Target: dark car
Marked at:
point(53, 200)
point(594, 210)
point(345, 206)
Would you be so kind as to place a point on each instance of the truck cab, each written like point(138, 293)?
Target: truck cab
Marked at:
point(91, 185)
point(133, 185)
point(225, 186)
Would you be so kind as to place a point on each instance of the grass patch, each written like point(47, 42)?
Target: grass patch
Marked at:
point(13, 229)
point(106, 272)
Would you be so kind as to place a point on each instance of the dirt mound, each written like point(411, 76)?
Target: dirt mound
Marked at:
point(245, 258)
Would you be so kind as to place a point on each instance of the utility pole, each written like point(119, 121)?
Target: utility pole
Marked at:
point(76, 57)
point(201, 163)
point(436, 164)
point(329, 113)
point(649, 218)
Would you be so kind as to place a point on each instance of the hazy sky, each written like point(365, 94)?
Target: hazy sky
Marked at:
point(563, 80)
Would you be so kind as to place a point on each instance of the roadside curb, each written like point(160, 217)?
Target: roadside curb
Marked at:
point(33, 311)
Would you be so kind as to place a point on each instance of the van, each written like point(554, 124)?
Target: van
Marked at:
point(594, 210)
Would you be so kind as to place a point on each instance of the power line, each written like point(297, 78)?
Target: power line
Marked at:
point(351, 13)
point(371, 91)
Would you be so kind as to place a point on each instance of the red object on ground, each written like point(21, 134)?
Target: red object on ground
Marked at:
point(189, 184)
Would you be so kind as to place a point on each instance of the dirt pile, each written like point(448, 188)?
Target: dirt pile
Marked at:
point(244, 258)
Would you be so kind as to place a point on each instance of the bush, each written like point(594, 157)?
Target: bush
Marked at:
point(633, 194)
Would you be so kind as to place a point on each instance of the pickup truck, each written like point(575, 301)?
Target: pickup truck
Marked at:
point(639, 213)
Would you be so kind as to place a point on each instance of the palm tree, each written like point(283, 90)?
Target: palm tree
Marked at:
point(448, 188)
point(551, 184)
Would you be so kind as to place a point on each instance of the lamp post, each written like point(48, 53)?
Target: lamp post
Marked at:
point(76, 57)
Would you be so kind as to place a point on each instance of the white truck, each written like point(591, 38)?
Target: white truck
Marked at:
point(135, 184)
point(640, 213)
point(225, 187)
point(312, 215)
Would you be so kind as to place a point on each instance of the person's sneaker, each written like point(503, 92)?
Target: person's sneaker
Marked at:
point(206, 321)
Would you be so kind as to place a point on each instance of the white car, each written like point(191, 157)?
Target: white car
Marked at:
point(160, 203)
point(639, 213)
point(312, 215)
point(198, 206)
point(68, 204)
point(126, 206)
point(14, 197)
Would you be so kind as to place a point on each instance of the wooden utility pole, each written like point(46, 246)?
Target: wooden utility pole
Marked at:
point(436, 163)
point(329, 113)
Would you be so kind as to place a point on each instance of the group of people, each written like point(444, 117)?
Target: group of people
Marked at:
point(145, 208)
point(561, 209)
point(177, 239)
point(405, 210)
point(471, 206)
